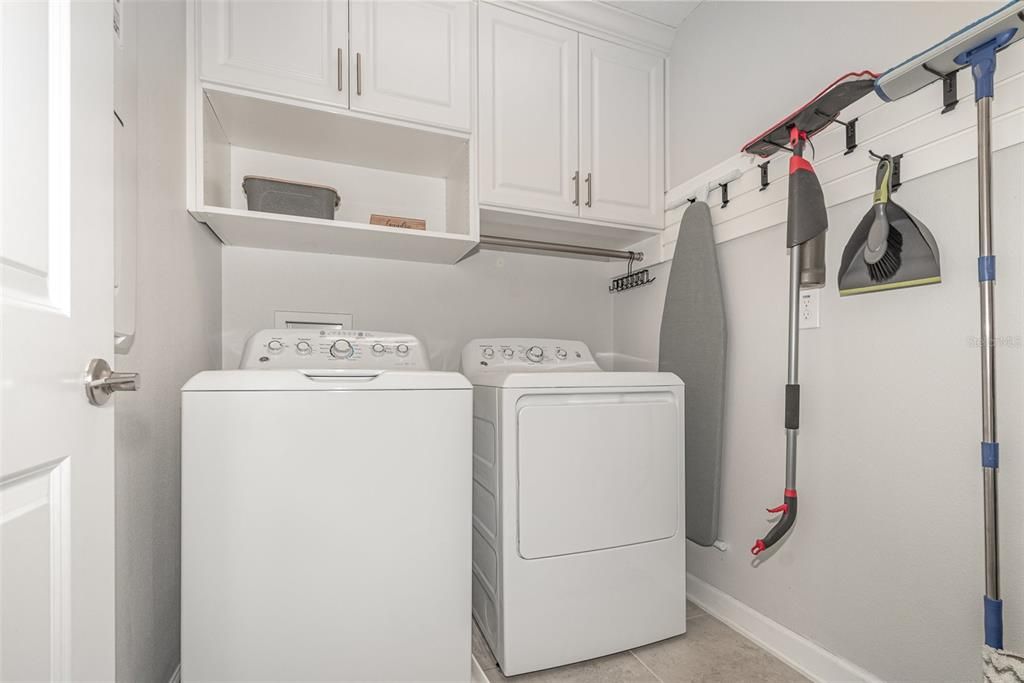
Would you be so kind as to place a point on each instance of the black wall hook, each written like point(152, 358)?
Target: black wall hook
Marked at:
point(725, 194)
point(896, 167)
point(764, 175)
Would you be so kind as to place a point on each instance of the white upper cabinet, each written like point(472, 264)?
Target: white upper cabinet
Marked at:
point(529, 116)
point(411, 60)
point(295, 48)
point(569, 124)
point(622, 152)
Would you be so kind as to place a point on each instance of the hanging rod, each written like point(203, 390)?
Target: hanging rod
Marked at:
point(493, 241)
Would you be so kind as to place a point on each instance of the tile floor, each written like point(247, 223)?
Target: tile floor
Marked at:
point(709, 652)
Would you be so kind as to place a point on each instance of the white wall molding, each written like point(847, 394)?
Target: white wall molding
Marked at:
point(802, 654)
point(601, 21)
point(929, 141)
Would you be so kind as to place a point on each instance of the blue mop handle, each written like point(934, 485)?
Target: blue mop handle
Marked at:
point(982, 60)
point(983, 63)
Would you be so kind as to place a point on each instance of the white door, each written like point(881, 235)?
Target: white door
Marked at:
point(56, 263)
point(411, 60)
point(295, 48)
point(622, 139)
point(529, 127)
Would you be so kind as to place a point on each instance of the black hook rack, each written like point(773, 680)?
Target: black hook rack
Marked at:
point(691, 200)
point(949, 94)
point(631, 280)
point(725, 194)
point(896, 167)
point(764, 175)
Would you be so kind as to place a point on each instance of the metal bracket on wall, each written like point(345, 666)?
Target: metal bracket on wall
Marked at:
point(897, 163)
point(764, 175)
point(949, 94)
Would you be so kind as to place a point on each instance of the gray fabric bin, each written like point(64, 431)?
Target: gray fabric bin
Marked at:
point(295, 199)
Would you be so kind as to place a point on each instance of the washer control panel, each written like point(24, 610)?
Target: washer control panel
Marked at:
point(330, 348)
point(519, 354)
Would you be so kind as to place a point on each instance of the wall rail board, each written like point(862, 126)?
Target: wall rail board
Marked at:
point(914, 127)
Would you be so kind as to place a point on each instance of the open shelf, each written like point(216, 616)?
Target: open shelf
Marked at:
point(377, 167)
point(244, 228)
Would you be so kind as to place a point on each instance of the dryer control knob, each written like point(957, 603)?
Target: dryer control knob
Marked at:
point(535, 354)
point(561, 354)
point(303, 347)
point(377, 348)
point(342, 349)
point(488, 353)
point(402, 349)
point(274, 346)
point(508, 353)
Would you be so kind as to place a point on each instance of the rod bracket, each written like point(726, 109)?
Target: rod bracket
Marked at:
point(949, 94)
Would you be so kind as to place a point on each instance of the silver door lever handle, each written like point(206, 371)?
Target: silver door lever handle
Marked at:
point(100, 381)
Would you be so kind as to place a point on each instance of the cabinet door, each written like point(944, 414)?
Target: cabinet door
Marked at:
point(529, 105)
point(411, 60)
point(622, 122)
point(285, 47)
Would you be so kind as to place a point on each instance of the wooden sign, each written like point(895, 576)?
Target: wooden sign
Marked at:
point(398, 222)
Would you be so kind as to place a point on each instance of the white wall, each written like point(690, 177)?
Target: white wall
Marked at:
point(738, 67)
point(884, 567)
point(489, 294)
point(177, 335)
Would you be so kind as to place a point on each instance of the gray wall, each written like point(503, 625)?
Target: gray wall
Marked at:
point(489, 294)
point(178, 334)
point(884, 567)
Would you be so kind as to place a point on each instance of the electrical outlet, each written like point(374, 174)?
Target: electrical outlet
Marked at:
point(810, 313)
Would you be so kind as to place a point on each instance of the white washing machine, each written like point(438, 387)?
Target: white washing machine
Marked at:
point(578, 530)
point(325, 494)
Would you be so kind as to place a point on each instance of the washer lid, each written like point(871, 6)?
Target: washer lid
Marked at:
point(555, 380)
point(330, 379)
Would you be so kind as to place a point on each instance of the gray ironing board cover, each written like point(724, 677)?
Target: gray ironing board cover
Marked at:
point(693, 345)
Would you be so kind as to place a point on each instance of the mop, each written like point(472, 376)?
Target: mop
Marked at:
point(976, 46)
point(806, 223)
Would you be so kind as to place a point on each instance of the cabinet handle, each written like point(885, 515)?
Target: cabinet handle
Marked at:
point(340, 69)
point(590, 189)
point(576, 193)
point(359, 73)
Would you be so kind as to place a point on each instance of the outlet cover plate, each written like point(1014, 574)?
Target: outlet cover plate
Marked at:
point(810, 309)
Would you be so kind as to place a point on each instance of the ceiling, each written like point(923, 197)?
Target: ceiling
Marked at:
point(669, 13)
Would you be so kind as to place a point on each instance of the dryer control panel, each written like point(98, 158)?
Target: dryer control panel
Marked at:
point(527, 354)
point(333, 348)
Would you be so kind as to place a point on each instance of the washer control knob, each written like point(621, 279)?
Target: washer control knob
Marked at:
point(402, 349)
point(488, 353)
point(303, 347)
point(508, 353)
point(561, 354)
point(377, 349)
point(342, 349)
point(535, 354)
point(274, 346)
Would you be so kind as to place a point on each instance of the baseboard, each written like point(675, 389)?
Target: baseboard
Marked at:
point(807, 657)
point(176, 676)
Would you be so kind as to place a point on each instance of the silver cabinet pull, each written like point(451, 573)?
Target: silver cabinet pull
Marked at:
point(590, 189)
point(340, 69)
point(576, 192)
point(100, 381)
point(359, 73)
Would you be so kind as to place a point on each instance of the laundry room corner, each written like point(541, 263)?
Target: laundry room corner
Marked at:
point(870, 472)
point(176, 325)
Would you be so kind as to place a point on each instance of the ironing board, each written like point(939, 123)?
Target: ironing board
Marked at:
point(693, 344)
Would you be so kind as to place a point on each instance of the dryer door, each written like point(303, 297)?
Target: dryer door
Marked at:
point(598, 470)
